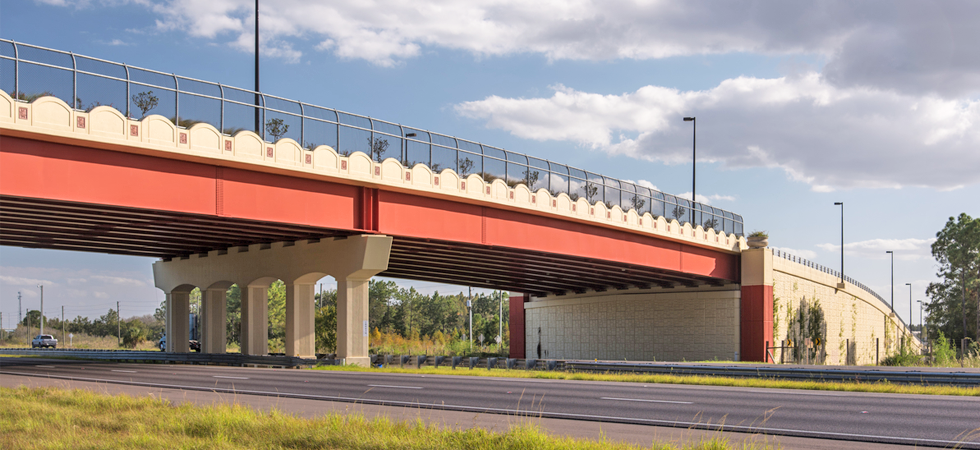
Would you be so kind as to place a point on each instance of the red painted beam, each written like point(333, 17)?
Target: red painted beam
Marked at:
point(420, 217)
point(54, 171)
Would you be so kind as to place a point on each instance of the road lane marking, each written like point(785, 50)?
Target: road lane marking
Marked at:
point(645, 400)
point(555, 415)
point(394, 387)
point(233, 378)
point(46, 367)
point(125, 371)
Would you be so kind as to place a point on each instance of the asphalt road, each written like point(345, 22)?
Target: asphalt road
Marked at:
point(939, 421)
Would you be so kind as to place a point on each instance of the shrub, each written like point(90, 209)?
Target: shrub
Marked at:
point(942, 353)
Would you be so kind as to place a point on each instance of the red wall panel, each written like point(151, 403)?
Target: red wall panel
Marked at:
point(516, 326)
point(756, 322)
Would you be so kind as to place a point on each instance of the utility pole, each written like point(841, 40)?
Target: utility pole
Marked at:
point(63, 322)
point(118, 326)
point(42, 309)
point(20, 309)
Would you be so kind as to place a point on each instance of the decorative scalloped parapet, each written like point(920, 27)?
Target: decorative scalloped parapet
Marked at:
point(157, 134)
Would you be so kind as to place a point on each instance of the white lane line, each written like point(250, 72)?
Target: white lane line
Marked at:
point(46, 367)
point(124, 371)
point(645, 400)
point(233, 378)
point(394, 387)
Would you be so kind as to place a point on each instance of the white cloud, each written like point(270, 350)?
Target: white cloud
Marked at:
point(826, 136)
point(707, 199)
point(100, 295)
point(121, 281)
point(805, 254)
point(910, 249)
point(905, 45)
point(26, 282)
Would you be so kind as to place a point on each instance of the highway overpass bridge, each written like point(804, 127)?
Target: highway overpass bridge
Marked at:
point(600, 261)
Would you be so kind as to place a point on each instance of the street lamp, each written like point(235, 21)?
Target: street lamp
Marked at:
point(893, 278)
point(41, 286)
point(922, 330)
point(258, 121)
point(910, 302)
point(694, 161)
point(841, 284)
point(405, 148)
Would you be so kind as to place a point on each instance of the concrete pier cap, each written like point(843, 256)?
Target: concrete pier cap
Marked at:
point(351, 260)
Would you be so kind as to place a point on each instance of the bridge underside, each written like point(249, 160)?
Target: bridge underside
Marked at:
point(68, 225)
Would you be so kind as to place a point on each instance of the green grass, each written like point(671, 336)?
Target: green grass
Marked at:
point(877, 387)
point(45, 418)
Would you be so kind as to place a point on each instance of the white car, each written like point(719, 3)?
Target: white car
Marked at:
point(44, 340)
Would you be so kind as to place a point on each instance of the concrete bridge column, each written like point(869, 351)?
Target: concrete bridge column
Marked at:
point(352, 320)
point(178, 316)
point(255, 320)
point(300, 336)
point(214, 317)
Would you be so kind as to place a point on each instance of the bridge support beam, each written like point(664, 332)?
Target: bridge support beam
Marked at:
point(178, 318)
point(300, 332)
point(351, 260)
point(352, 321)
point(757, 301)
point(255, 319)
point(214, 319)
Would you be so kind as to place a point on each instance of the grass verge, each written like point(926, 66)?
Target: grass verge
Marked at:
point(56, 418)
point(876, 387)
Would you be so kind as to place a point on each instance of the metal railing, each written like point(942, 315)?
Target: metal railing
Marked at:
point(28, 71)
point(827, 270)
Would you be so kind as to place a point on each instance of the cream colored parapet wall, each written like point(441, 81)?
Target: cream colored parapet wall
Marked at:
point(852, 315)
point(49, 118)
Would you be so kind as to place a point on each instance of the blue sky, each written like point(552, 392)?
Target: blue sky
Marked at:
point(876, 104)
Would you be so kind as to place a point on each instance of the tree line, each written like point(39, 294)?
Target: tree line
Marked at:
point(954, 309)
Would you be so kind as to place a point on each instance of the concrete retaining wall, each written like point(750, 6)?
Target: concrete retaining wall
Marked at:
point(853, 316)
point(662, 325)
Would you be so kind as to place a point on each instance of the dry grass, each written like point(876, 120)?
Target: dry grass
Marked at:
point(878, 387)
point(44, 418)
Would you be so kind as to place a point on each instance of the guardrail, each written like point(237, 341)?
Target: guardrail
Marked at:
point(85, 82)
point(781, 372)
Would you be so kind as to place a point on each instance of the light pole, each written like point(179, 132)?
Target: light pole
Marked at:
point(893, 278)
point(405, 148)
point(922, 330)
point(41, 286)
point(258, 120)
point(694, 164)
point(910, 302)
point(841, 284)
